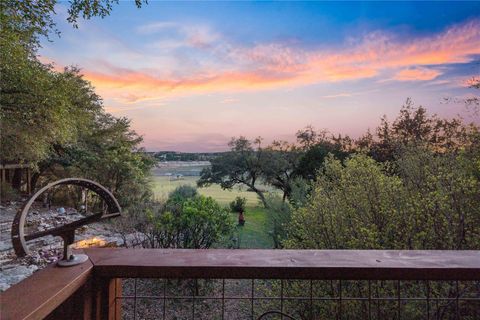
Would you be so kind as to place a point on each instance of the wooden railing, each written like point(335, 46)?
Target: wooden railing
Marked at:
point(94, 289)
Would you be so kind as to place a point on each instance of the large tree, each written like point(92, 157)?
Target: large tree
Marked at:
point(241, 166)
point(279, 166)
point(54, 119)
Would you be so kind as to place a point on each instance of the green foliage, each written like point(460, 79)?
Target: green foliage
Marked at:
point(182, 193)
point(54, 119)
point(40, 108)
point(205, 222)
point(414, 126)
point(241, 166)
point(300, 192)
point(312, 160)
point(31, 19)
point(197, 222)
point(238, 205)
point(280, 164)
point(7, 193)
point(421, 200)
point(278, 216)
point(432, 203)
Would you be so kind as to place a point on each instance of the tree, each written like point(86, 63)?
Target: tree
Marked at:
point(414, 126)
point(279, 166)
point(313, 158)
point(314, 146)
point(109, 153)
point(238, 205)
point(241, 166)
point(32, 19)
point(55, 120)
point(40, 108)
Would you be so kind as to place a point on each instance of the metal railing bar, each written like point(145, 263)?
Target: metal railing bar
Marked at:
point(301, 298)
point(457, 306)
point(369, 300)
point(164, 299)
point(135, 300)
point(253, 293)
point(281, 299)
point(399, 301)
point(223, 299)
point(339, 299)
point(115, 303)
point(195, 290)
point(428, 298)
point(311, 299)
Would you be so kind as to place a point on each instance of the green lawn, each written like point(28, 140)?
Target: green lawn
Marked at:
point(254, 234)
point(163, 185)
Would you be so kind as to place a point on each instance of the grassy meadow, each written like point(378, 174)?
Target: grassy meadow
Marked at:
point(255, 232)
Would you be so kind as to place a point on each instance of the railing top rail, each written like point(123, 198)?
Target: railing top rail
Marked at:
point(36, 296)
point(287, 264)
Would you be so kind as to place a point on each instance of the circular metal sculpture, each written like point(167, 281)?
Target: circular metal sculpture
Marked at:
point(67, 231)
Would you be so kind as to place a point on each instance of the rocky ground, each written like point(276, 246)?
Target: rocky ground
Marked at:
point(44, 250)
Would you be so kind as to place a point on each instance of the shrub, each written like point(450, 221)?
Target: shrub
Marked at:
point(238, 205)
point(7, 193)
point(196, 223)
point(182, 193)
point(421, 200)
point(279, 215)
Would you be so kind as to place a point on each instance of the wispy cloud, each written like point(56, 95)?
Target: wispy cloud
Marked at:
point(339, 95)
point(213, 64)
point(416, 74)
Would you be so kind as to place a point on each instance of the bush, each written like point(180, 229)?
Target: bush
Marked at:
point(182, 193)
point(421, 200)
point(196, 223)
point(279, 214)
point(238, 205)
point(7, 193)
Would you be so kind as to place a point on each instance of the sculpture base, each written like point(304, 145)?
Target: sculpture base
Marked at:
point(77, 259)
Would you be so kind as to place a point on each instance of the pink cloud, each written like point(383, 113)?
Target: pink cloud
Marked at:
point(416, 74)
point(275, 65)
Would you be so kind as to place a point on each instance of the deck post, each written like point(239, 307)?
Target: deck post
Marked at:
point(106, 306)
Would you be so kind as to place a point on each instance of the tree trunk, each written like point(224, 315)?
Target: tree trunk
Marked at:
point(261, 196)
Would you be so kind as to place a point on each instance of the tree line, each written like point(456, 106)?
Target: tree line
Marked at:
point(288, 166)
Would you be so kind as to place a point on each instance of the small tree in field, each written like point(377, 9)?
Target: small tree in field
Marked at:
point(238, 206)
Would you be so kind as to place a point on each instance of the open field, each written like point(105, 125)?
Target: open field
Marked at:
point(163, 185)
point(254, 234)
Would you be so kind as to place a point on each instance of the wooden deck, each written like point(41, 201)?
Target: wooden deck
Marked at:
point(86, 291)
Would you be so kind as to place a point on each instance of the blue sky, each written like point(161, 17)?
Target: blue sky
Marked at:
point(191, 75)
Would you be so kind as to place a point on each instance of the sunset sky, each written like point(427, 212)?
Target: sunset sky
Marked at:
point(191, 75)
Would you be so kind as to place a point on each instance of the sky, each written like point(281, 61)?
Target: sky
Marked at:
point(192, 75)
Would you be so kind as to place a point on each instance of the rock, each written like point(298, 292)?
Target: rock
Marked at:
point(14, 275)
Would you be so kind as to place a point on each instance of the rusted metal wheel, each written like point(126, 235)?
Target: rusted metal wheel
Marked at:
point(67, 231)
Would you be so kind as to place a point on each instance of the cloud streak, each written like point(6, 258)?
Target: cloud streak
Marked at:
point(220, 66)
point(416, 74)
